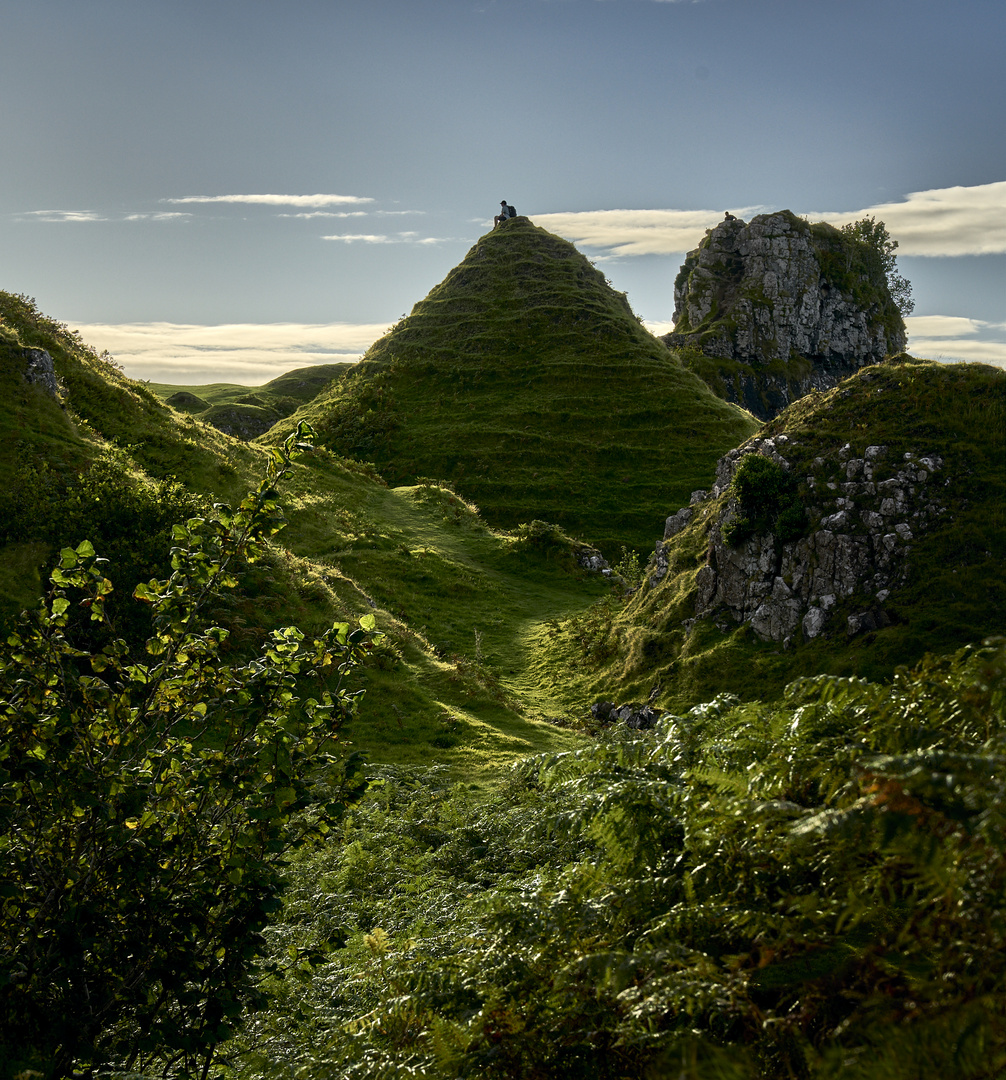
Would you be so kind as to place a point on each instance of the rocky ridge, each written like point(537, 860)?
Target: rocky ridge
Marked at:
point(860, 529)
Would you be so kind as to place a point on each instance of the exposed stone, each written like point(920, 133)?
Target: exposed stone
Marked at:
point(591, 559)
point(635, 716)
point(854, 550)
point(766, 292)
point(40, 371)
point(677, 521)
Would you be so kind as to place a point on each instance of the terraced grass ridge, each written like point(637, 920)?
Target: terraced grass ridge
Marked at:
point(526, 381)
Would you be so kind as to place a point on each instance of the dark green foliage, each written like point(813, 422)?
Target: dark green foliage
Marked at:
point(767, 494)
point(147, 798)
point(809, 889)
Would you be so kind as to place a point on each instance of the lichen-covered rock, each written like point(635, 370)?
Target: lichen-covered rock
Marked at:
point(796, 306)
point(856, 544)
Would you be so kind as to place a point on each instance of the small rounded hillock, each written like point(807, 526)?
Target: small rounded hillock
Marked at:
point(185, 402)
point(525, 380)
point(871, 532)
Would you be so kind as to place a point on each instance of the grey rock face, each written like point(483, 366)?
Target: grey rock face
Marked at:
point(857, 545)
point(772, 289)
point(40, 372)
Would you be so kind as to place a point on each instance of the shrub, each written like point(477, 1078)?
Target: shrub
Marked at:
point(147, 799)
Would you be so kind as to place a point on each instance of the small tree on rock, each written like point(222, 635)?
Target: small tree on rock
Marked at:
point(875, 234)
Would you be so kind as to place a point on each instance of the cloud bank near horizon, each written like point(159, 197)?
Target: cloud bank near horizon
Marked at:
point(247, 353)
point(941, 222)
point(253, 353)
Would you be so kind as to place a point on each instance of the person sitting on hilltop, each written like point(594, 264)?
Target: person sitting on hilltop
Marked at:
point(729, 217)
point(505, 213)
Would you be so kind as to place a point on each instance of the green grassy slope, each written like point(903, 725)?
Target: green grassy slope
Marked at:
point(107, 461)
point(955, 592)
point(526, 381)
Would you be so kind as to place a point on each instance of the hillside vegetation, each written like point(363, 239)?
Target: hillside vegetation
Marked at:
point(526, 381)
point(106, 461)
point(247, 411)
point(796, 871)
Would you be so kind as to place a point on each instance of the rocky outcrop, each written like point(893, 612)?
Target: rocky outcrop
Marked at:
point(635, 716)
point(789, 307)
point(40, 371)
point(863, 512)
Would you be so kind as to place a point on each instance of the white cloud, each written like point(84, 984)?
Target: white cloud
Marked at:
point(274, 200)
point(307, 215)
point(163, 215)
point(65, 215)
point(362, 238)
point(410, 237)
point(634, 232)
point(944, 221)
point(954, 337)
point(74, 216)
point(245, 353)
point(658, 329)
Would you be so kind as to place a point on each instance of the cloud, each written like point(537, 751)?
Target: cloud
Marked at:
point(382, 238)
point(163, 215)
point(274, 200)
point(943, 221)
point(954, 337)
point(245, 353)
point(65, 215)
point(636, 232)
point(74, 216)
point(307, 215)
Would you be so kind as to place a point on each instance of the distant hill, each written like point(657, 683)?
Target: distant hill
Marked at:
point(248, 411)
point(861, 528)
point(526, 381)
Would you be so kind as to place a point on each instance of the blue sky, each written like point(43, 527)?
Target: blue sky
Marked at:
point(219, 190)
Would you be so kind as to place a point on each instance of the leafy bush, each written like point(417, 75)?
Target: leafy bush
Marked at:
point(809, 889)
point(147, 800)
point(768, 502)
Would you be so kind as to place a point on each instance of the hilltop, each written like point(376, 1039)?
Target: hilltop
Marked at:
point(526, 381)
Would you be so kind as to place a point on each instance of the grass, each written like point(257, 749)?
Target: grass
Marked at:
point(109, 460)
point(526, 381)
point(220, 403)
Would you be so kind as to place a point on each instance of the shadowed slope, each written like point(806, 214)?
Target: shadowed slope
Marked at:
point(527, 381)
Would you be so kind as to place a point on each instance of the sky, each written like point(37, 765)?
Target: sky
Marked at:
point(223, 190)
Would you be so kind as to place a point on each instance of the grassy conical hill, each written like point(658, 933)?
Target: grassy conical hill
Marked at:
point(889, 506)
point(526, 380)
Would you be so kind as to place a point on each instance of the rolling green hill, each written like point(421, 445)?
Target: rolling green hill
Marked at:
point(526, 381)
point(247, 411)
